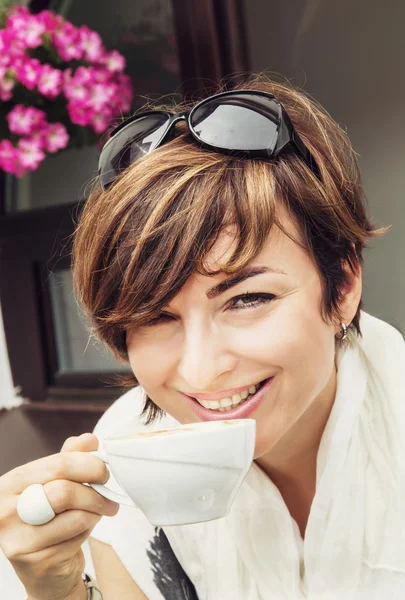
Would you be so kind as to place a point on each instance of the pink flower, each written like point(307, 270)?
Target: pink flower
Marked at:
point(84, 75)
point(26, 27)
point(100, 121)
point(6, 86)
point(50, 81)
point(33, 33)
point(99, 95)
point(38, 117)
point(79, 114)
point(49, 20)
point(57, 137)
point(30, 154)
point(17, 18)
point(102, 75)
point(114, 61)
point(91, 44)
point(75, 91)
point(40, 136)
point(28, 72)
point(10, 45)
point(66, 39)
point(8, 156)
point(22, 120)
point(5, 94)
point(4, 61)
point(3, 40)
point(96, 93)
point(67, 76)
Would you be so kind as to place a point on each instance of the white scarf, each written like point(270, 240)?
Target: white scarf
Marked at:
point(354, 546)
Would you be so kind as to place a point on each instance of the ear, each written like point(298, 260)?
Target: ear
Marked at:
point(351, 296)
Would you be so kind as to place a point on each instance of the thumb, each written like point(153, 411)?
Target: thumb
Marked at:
point(82, 443)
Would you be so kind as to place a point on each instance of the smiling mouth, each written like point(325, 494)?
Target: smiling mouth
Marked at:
point(227, 404)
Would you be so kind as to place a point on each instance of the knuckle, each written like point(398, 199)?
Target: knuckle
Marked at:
point(95, 518)
point(61, 493)
point(39, 564)
point(57, 467)
point(17, 476)
point(101, 504)
point(6, 512)
point(79, 520)
point(31, 559)
point(10, 549)
point(45, 558)
point(69, 441)
point(101, 472)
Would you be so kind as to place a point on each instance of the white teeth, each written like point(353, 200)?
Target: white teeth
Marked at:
point(225, 402)
point(236, 399)
point(215, 404)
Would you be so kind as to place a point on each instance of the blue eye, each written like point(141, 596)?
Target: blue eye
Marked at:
point(250, 300)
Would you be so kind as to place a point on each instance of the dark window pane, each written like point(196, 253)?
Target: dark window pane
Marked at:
point(77, 351)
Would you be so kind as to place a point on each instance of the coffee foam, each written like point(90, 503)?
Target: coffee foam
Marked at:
point(143, 434)
point(203, 425)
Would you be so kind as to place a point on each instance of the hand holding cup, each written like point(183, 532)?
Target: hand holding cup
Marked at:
point(48, 558)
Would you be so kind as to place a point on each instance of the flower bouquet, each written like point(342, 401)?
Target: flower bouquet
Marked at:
point(59, 88)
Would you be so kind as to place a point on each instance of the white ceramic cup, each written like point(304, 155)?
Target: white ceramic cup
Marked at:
point(180, 475)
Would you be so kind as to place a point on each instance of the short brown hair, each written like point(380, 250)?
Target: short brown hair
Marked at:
point(137, 244)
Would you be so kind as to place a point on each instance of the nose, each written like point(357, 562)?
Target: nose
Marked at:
point(204, 358)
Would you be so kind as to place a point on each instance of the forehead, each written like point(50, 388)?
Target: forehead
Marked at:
point(278, 250)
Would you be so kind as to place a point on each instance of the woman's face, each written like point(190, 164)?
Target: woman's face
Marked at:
point(212, 345)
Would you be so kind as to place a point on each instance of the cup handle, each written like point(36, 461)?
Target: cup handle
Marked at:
point(105, 491)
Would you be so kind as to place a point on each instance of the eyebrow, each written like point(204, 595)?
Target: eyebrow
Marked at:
point(238, 278)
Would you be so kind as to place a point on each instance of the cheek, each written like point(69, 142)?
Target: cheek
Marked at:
point(149, 364)
point(302, 352)
point(304, 348)
point(291, 335)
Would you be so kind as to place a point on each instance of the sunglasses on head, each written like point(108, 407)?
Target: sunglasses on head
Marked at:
point(240, 122)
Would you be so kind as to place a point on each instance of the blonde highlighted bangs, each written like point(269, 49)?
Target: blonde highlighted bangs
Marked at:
point(136, 244)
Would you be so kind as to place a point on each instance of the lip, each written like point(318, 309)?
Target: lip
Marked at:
point(240, 412)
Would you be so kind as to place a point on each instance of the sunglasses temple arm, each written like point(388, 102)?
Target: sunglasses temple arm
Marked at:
point(288, 136)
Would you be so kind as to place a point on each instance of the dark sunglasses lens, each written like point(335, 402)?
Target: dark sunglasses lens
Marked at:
point(129, 144)
point(238, 122)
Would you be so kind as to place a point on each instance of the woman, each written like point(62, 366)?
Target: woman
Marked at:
point(217, 255)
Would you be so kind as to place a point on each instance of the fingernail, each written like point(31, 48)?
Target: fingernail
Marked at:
point(114, 506)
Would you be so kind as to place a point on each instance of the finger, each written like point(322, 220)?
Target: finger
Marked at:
point(66, 495)
point(59, 553)
point(33, 538)
point(84, 443)
point(82, 467)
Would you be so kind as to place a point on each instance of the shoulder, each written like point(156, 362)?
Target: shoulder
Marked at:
point(124, 416)
point(381, 343)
